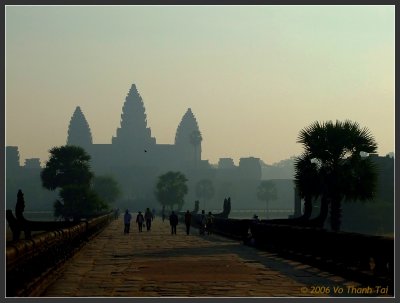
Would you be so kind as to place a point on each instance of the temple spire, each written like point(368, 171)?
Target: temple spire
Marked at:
point(188, 137)
point(79, 131)
point(133, 128)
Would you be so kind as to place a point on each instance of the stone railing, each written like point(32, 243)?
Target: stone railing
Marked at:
point(232, 228)
point(365, 258)
point(32, 264)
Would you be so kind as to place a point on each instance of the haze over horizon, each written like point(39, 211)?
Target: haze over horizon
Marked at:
point(254, 76)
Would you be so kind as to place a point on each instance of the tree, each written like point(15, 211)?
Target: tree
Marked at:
point(266, 191)
point(78, 202)
point(107, 188)
point(333, 155)
point(171, 189)
point(307, 182)
point(205, 190)
point(67, 165)
point(68, 169)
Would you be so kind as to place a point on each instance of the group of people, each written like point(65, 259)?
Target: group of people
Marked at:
point(140, 220)
point(206, 221)
point(173, 221)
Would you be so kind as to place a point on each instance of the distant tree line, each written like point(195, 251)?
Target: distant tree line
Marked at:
point(332, 169)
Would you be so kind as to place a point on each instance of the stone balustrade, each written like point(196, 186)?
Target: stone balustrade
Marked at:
point(31, 263)
point(366, 258)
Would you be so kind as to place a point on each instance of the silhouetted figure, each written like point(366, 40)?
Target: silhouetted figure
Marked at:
point(154, 213)
point(250, 240)
point(188, 221)
point(203, 222)
point(20, 206)
point(148, 216)
point(127, 221)
point(209, 223)
point(19, 215)
point(255, 219)
point(163, 213)
point(173, 221)
point(140, 221)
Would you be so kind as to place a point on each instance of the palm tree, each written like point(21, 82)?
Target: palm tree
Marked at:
point(195, 140)
point(68, 165)
point(266, 191)
point(69, 170)
point(333, 156)
point(307, 182)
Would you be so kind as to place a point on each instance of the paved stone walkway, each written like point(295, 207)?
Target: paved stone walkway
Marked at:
point(157, 264)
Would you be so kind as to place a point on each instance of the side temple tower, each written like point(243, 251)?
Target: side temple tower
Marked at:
point(78, 131)
point(188, 139)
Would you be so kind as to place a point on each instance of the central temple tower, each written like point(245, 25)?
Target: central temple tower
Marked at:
point(133, 133)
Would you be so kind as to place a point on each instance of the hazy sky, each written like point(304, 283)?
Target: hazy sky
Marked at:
point(254, 76)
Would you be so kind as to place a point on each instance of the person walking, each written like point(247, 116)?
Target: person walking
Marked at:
point(255, 219)
point(250, 240)
point(188, 221)
point(127, 221)
point(210, 223)
point(203, 221)
point(140, 221)
point(148, 216)
point(173, 221)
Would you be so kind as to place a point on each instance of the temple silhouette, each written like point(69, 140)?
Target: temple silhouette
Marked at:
point(133, 145)
point(135, 159)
